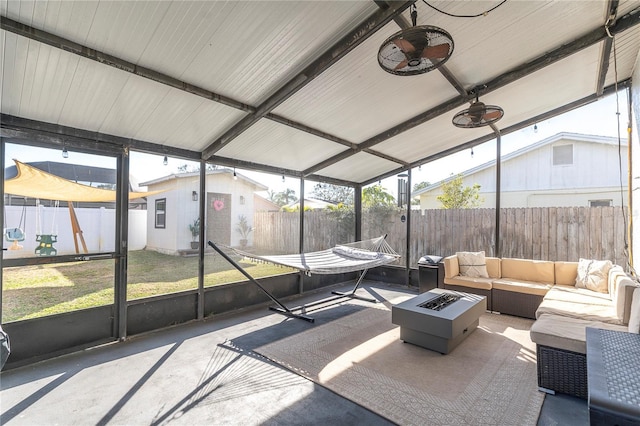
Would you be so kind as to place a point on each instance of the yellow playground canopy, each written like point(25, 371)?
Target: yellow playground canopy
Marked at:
point(35, 183)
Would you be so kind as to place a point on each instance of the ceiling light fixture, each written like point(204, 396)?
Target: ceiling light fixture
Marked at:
point(65, 153)
point(165, 161)
point(235, 176)
point(415, 50)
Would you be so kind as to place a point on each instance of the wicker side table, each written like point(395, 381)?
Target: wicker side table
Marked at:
point(613, 371)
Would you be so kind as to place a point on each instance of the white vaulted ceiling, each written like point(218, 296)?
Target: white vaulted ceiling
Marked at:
point(295, 85)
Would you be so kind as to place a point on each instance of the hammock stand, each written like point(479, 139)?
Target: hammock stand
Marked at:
point(387, 256)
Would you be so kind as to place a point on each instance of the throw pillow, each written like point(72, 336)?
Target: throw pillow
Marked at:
point(356, 253)
point(472, 264)
point(593, 275)
point(634, 319)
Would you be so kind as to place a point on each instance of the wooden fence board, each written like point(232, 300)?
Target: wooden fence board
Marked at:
point(553, 233)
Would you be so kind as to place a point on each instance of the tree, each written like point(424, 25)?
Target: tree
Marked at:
point(333, 193)
point(188, 168)
point(377, 196)
point(417, 187)
point(454, 196)
point(283, 198)
point(420, 185)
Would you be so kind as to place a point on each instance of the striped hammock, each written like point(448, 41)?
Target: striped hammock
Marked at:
point(349, 257)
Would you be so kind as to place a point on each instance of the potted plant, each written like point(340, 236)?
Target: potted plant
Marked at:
point(244, 229)
point(195, 233)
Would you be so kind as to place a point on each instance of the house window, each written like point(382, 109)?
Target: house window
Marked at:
point(562, 155)
point(161, 213)
point(600, 203)
point(242, 199)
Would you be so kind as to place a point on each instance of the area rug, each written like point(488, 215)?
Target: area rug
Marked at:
point(490, 379)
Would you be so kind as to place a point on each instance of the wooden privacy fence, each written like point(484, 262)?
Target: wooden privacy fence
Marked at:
point(544, 233)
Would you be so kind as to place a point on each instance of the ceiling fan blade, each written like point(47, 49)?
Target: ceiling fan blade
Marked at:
point(404, 45)
point(401, 65)
point(492, 115)
point(439, 51)
point(464, 119)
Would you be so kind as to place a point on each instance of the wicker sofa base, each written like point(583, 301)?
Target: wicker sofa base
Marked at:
point(480, 292)
point(562, 371)
point(513, 303)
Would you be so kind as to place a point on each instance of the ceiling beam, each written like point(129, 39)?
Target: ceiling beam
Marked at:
point(624, 23)
point(112, 61)
point(349, 42)
point(122, 65)
point(34, 132)
point(296, 174)
point(612, 12)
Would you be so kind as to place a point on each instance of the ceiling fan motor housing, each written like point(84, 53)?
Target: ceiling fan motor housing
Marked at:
point(415, 50)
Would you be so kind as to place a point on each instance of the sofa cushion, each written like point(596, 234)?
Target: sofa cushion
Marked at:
point(634, 316)
point(451, 268)
point(541, 271)
point(570, 293)
point(581, 310)
point(616, 273)
point(593, 274)
point(472, 264)
point(479, 283)
point(623, 296)
point(565, 333)
point(565, 273)
point(527, 287)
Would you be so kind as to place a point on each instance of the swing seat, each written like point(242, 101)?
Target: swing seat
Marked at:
point(46, 248)
point(14, 234)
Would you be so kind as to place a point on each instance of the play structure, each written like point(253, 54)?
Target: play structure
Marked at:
point(35, 183)
point(16, 235)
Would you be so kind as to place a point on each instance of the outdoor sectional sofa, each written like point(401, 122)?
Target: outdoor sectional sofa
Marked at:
point(512, 286)
point(547, 292)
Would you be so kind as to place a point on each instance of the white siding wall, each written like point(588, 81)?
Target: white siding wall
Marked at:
point(163, 240)
point(531, 179)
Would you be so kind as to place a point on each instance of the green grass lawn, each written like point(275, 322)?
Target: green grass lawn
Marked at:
point(39, 290)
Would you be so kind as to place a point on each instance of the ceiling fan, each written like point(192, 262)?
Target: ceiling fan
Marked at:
point(415, 50)
point(477, 115)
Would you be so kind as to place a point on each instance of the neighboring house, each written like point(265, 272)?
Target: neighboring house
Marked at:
point(564, 170)
point(261, 204)
point(171, 212)
point(309, 204)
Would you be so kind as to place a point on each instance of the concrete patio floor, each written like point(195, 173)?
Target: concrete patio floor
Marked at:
point(202, 373)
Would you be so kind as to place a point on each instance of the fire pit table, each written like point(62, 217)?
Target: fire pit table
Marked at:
point(439, 319)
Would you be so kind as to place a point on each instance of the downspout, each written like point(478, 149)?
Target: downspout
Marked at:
point(498, 161)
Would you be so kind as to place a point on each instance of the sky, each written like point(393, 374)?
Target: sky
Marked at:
point(598, 118)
